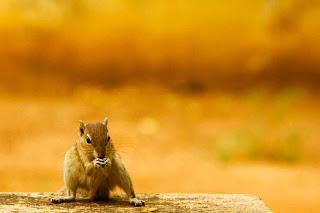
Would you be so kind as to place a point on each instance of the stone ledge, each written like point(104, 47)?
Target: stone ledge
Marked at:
point(167, 202)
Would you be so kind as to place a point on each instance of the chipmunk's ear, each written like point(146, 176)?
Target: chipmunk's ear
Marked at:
point(105, 121)
point(81, 127)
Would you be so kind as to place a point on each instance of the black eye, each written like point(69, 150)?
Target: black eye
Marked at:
point(108, 139)
point(88, 140)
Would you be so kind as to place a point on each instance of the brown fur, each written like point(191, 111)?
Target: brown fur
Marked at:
point(94, 168)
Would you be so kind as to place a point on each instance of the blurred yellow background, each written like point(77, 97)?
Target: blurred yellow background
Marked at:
point(202, 96)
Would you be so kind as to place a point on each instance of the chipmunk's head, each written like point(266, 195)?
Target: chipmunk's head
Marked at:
point(95, 140)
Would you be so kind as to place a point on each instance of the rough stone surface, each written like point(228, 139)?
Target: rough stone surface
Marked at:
point(40, 202)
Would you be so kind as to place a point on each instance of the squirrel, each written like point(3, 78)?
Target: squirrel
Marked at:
point(93, 166)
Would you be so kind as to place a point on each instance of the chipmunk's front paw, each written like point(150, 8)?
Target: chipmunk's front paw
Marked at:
point(136, 202)
point(100, 163)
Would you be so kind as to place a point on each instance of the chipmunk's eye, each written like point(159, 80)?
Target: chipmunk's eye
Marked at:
point(109, 138)
point(88, 140)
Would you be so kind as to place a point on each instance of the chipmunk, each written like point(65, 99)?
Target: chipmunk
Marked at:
point(93, 165)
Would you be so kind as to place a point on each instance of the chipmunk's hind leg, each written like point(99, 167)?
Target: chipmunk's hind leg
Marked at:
point(71, 197)
point(121, 178)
